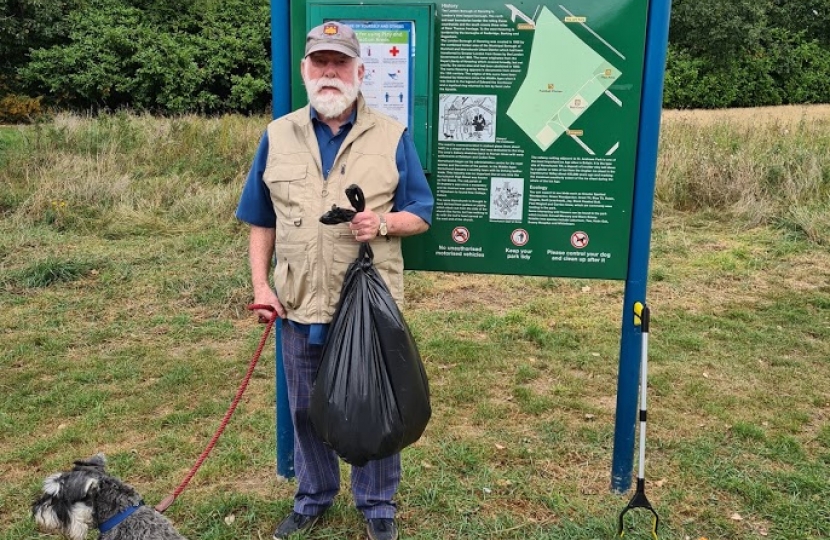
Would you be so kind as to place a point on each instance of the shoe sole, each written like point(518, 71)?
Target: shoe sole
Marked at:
point(370, 537)
point(306, 529)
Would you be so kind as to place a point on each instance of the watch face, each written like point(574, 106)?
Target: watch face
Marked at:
point(383, 229)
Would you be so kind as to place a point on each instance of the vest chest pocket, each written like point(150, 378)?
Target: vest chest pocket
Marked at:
point(288, 185)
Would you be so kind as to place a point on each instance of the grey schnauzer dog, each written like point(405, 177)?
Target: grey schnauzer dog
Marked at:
point(87, 496)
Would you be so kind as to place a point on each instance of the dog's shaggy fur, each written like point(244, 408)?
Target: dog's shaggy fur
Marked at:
point(87, 496)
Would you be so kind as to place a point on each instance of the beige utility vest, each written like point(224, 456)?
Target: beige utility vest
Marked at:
point(312, 258)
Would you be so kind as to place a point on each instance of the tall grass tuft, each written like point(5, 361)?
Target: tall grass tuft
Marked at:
point(119, 170)
point(96, 172)
point(49, 271)
point(758, 172)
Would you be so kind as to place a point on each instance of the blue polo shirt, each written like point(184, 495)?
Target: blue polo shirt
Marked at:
point(412, 194)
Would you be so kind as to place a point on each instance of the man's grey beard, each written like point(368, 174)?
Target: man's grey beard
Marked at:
point(331, 105)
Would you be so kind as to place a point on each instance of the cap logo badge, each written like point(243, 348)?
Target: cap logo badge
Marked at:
point(331, 30)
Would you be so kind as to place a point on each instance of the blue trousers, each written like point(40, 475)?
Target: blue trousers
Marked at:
point(317, 466)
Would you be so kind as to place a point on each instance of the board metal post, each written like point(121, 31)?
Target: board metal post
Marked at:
point(635, 285)
point(281, 105)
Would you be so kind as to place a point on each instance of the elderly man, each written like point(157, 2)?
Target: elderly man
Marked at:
point(304, 163)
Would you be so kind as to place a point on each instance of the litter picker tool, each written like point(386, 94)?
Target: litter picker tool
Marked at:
point(639, 500)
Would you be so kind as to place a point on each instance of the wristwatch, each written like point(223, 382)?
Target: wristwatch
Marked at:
point(382, 230)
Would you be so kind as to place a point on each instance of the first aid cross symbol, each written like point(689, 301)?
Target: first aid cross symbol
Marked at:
point(394, 51)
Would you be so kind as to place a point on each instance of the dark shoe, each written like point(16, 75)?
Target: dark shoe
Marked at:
point(381, 529)
point(293, 524)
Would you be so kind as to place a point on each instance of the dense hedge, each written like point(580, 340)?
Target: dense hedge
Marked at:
point(741, 53)
point(162, 56)
point(213, 56)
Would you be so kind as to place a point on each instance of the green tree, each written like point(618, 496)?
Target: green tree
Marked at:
point(748, 53)
point(718, 30)
point(234, 44)
point(173, 15)
point(95, 68)
point(807, 17)
point(799, 65)
point(25, 24)
point(208, 57)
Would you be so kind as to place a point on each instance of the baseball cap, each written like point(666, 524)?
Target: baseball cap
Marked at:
point(332, 36)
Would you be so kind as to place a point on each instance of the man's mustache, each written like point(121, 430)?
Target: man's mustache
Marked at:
point(319, 84)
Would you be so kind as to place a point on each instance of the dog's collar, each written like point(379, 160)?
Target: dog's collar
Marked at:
point(116, 520)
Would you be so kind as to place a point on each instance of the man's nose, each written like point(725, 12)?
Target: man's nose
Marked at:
point(330, 69)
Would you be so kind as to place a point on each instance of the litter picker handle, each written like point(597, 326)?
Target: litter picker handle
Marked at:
point(642, 316)
point(645, 317)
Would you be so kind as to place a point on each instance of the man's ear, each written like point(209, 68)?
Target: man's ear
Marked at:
point(303, 64)
point(361, 71)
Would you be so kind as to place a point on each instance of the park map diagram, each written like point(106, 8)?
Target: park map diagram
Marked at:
point(564, 77)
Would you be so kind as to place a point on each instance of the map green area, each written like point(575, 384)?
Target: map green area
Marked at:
point(564, 77)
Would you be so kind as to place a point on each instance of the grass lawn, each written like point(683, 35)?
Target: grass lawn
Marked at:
point(125, 332)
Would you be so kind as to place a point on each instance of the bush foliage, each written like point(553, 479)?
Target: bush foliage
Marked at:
point(15, 109)
point(171, 56)
point(743, 53)
point(212, 56)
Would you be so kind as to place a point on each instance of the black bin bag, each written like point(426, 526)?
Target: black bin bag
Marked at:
point(371, 395)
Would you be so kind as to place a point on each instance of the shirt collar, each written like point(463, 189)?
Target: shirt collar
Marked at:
point(351, 120)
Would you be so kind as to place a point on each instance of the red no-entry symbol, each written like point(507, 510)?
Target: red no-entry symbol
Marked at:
point(579, 240)
point(460, 235)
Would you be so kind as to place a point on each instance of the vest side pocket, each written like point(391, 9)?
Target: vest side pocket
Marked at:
point(287, 186)
point(388, 265)
point(291, 274)
point(343, 253)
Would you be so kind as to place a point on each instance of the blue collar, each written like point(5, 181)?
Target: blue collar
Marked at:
point(116, 520)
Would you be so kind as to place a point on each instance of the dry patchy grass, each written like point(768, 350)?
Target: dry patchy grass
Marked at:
point(523, 372)
point(751, 116)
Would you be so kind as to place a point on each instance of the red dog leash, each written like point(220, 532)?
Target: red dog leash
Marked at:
point(165, 504)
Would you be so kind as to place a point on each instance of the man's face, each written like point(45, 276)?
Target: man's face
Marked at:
point(332, 81)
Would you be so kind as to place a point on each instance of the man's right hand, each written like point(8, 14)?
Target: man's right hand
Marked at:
point(268, 298)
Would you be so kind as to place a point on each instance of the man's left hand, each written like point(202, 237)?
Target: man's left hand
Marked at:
point(365, 226)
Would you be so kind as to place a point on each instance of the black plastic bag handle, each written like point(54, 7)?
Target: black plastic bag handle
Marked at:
point(366, 255)
point(358, 201)
point(355, 196)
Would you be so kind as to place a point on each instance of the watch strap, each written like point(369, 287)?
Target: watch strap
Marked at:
point(383, 229)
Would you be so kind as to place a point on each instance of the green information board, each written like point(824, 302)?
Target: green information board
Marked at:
point(535, 137)
point(526, 117)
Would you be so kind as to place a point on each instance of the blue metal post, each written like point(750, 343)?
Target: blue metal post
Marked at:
point(635, 285)
point(281, 104)
point(280, 57)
